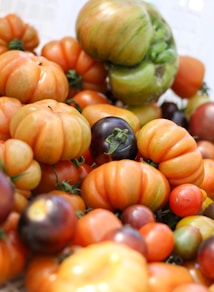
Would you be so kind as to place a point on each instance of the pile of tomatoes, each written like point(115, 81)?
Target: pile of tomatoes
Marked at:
point(96, 195)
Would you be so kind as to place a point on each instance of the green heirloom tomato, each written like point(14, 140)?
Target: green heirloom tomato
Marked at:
point(148, 80)
point(117, 31)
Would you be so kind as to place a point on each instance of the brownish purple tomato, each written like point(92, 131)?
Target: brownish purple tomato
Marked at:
point(205, 257)
point(129, 236)
point(137, 215)
point(47, 224)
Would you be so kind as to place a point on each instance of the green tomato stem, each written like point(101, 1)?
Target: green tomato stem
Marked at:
point(117, 138)
point(16, 44)
point(74, 79)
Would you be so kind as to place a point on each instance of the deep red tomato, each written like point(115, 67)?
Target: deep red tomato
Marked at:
point(186, 200)
point(159, 239)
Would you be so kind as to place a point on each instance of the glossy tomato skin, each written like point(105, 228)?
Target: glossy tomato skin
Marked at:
point(117, 184)
point(205, 257)
point(47, 224)
point(112, 139)
point(186, 200)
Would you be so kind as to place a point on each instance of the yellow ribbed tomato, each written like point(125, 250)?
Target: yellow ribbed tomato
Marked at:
point(54, 130)
point(173, 150)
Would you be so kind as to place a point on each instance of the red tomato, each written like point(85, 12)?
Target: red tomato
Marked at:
point(186, 200)
point(157, 233)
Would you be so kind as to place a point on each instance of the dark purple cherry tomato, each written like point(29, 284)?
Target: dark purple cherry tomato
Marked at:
point(47, 224)
point(112, 139)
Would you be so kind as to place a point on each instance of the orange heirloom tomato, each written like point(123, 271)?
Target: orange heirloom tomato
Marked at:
point(173, 150)
point(82, 71)
point(105, 266)
point(17, 159)
point(165, 276)
point(15, 34)
point(190, 76)
point(30, 78)
point(13, 253)
point(8, 107)
point(118, 184)
point(92, 226)
point(203, 223)
point(96, 112)
point(21, 199)
point(208, 182)
point(54, 130)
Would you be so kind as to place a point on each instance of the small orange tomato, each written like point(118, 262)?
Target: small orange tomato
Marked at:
point(186, 200)
point(92, 226)
point(159, 239)
point(206, 148)
point(165, 276)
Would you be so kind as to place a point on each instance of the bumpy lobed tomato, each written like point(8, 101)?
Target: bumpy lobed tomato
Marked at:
point(186, 200)
point(30, 78)
point(54, 130)
point(106, 264)
point(82, 71)
point(118, 184)
point(157, 232)
point(207, 183)
point(173, 150)
point(8, 107)
point(15, 34)
point(17, 159)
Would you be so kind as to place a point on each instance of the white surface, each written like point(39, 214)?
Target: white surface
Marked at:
point(191, 21)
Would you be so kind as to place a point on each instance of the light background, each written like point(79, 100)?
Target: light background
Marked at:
point(191, 21)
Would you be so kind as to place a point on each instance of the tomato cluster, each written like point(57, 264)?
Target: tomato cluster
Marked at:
point(93, 192)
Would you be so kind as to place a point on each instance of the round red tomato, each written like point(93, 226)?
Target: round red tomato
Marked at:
point(186, 200)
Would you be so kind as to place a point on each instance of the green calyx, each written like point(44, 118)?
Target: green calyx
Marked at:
point(16, 44)
point(115, 139)
point(74, 79)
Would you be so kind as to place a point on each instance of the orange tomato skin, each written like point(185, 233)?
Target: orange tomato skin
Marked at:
point(191, 287)
point(13, 253)
point(13, 28)
point(42, 123)
point(30, 78)
point(208, 184)
point(113, 266)
point(95, 112)
point(157, 232)
point(92, 226)
point(118, 184)
point(27, 171)
point(67, 53)
point(190, 76)
point(165, 276)
point(171, 147)
point(8, 107)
